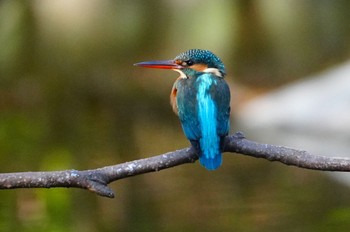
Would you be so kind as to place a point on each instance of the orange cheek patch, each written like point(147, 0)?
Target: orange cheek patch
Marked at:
point(179, 62)
point(199, 67)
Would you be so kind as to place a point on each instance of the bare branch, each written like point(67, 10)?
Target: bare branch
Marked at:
point(239, 144)
point(97, 180)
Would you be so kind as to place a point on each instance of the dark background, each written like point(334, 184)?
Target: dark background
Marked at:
point(70, 98)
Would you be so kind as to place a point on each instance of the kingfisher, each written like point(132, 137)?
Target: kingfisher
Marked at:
point(201, 98)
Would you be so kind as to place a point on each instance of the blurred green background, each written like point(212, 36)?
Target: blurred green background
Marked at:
point(70, 97)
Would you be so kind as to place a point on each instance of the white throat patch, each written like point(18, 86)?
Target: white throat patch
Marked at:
point(182, 74)
point(214, 71)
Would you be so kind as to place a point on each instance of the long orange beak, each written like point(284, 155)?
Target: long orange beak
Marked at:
point(163, 64)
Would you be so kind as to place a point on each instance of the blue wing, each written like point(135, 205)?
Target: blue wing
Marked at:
point(187, 108)
point(222, 98)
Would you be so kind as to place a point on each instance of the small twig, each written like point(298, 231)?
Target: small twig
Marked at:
point(97, 180)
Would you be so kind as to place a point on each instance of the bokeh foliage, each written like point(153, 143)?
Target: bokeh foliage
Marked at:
point(70, 98)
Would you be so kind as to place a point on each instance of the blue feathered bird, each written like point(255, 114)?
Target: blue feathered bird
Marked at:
point(201, 99)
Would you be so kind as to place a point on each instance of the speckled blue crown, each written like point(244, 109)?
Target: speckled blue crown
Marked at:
point(199, 56)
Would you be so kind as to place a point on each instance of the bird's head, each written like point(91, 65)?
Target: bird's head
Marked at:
point(189, 63)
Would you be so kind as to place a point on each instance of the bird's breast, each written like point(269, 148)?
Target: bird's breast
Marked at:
point(173, 102)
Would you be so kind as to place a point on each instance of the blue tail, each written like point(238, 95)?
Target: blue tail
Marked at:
point(210, 156)
point(211, 163)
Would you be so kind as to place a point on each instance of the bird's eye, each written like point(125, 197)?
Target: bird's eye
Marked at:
point(189, 62)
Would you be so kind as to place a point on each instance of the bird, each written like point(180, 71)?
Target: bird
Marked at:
point(201, 98)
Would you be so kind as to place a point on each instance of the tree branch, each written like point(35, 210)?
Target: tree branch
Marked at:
point(97, 180)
